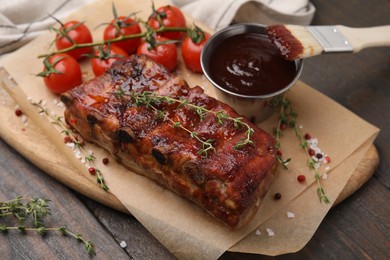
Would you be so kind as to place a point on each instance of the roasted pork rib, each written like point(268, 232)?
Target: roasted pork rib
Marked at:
point(228, 182)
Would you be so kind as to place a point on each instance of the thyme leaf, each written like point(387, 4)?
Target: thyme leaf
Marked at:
point(151, 100)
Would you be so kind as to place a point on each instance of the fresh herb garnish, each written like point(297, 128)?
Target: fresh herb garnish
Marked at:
point(288, 118)
point(34, 210)
point(151, 100)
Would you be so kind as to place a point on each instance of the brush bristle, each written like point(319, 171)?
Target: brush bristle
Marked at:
point(294, 41)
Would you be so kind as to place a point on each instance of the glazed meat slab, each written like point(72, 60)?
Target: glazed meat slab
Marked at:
point(156, 139)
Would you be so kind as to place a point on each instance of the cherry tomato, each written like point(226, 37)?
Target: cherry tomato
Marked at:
point(106, 57)
point(191, 51)
point(79, 33)
point(171, 16)
point(61, 73)
point(127, 26)
point(165, 54)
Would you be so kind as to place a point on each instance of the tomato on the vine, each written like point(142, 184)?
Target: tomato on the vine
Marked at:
point(61, 72)
point(105, 57)
point(170, 16)
point(123, 25)
point(70, 33)
point(163, 53)
point(191, 50)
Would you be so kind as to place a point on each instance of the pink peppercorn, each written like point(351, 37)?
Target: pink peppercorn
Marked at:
point(311, 152)
point(327, 159)
point(18, 112)
point(92, 170)
point(105, 160)
point(307, 136)
point(301, 178)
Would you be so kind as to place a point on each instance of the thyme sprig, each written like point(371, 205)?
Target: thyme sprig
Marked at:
point(35, 210)
point(59, 121)
point(151, 100)
point(288, 117)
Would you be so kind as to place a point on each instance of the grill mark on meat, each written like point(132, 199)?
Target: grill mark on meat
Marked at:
point(229, 183)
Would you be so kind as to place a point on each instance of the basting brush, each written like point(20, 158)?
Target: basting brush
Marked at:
point(299, 42)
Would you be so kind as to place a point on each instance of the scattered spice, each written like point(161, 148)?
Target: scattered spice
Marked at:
point(77, 142)
point(290, 214)
point(270, 232)
point(301, 178)
point(258, 233)
point(277, 196)
point(67, 139)
point(92, 170)
point(105, 161)
point(327, 159)
point(287, 116)
point(123, 244)
point(18, 112)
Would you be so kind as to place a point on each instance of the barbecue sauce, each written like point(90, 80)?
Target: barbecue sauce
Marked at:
point(249, 64)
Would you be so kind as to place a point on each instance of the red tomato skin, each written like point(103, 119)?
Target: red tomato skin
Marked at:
point(131, 45)
point(99, 66)
point(191, 52)
point(164, 54)
point(81, 34)
point(174, 18)
point(71, 74)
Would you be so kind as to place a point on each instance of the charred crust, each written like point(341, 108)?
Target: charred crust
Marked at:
point(191, 169)
point(125, 135)
point(159, 156)
point(66, 98)
point(93, 119)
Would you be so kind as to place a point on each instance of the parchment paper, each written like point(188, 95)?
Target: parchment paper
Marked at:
point(186, 230)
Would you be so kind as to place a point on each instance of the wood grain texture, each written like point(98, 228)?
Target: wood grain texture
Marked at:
point(21, 178)
point(357, 228)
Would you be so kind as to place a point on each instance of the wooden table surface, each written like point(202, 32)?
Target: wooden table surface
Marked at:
point(357, 228)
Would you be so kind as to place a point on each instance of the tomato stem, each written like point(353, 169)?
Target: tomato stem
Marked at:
point(117, 39)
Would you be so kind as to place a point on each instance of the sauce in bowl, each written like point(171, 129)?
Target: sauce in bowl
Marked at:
point(249, 64)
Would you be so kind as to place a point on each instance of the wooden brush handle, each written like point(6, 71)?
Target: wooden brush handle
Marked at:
point(361, 38)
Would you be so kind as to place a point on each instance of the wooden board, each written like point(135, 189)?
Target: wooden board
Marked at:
point(29, 140)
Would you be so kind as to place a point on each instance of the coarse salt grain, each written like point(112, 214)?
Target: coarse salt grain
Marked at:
point(327, 168)
point(258, 233)
point(123, 244)
point(23, 118)
point(290, 214)
point(71, 145)
point(55, 101)
point(60, 105)
point(270, 232)
point(300, 126)
point(325, 176)
point(77, 154)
